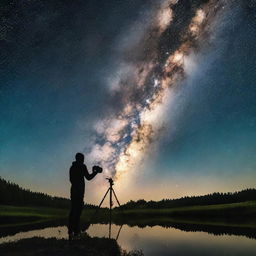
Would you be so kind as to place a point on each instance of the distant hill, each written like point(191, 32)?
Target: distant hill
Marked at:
point(13, 194)
point(210, 199)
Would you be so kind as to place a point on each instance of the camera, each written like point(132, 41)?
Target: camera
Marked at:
point(97, 169)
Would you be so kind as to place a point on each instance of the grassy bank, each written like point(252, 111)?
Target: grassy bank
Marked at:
point(239, 215)
point(13, 215)
point(234, 210)
point(38, 212)
point(20, 217)
point(229, 214)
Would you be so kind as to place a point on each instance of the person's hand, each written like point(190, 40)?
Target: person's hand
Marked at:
point(94, 168)
point(97, 169)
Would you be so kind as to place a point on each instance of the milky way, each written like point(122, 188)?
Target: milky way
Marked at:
point(141, 91)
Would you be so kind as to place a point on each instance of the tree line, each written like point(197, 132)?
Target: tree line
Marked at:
point(13, 194)
point(210, 199)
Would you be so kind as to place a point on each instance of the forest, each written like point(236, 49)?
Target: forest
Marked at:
point(13, 194)
point(210, 199)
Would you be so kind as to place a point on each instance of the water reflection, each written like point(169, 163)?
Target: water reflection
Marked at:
point(170, 241)
point(50, 232)
point(157, 240)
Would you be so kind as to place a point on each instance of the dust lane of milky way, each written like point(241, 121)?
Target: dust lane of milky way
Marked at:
point(143, 89)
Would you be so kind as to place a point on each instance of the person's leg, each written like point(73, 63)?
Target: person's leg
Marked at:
point(79, 208)
point(80, 212)
point(73, 212)
point(71, 219)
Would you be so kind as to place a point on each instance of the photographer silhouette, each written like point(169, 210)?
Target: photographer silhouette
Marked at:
point(77, 172)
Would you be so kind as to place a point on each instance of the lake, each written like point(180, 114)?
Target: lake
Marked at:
point(156, 240)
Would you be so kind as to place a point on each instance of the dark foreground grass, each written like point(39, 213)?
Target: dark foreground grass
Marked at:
point(85, 246)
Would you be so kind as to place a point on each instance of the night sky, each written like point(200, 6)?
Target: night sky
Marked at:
point(72, 80)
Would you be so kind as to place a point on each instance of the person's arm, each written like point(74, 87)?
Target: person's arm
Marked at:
point(87, 175)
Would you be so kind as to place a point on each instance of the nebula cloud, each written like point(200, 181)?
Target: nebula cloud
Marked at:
point(141, 90)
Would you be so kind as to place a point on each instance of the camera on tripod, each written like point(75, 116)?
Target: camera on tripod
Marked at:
point(111, 182)
point(97, 169)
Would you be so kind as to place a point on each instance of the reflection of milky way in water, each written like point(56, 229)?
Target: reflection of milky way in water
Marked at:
point(142, 88)
point(157, 240)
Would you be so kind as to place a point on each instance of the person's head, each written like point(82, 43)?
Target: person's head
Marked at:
point(79, 157)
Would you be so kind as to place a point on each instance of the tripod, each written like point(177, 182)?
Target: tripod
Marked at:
point(111, 191)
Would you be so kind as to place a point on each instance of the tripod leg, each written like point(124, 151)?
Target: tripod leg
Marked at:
point(103, 198)
point(116, 197)
point(119, 232)
point(110, 223)
point(96, 212)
